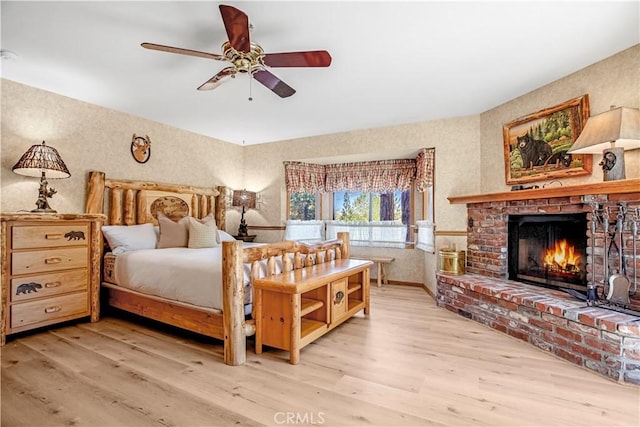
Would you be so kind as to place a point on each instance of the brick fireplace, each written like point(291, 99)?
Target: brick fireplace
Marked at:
point(599, 339)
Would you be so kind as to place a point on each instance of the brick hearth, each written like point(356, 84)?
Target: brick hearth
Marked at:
point(602, 340)
point(598, 339)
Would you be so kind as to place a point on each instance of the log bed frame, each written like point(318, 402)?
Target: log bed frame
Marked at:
point(127, 202)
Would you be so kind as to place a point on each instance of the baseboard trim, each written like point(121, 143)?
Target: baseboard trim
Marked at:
point(396, 282)
point(428, 291)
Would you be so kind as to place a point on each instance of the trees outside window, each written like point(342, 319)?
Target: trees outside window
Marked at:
point(303, 206)
point(369, 206)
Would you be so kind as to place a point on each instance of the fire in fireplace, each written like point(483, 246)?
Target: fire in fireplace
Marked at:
point(562, 258)
point(548, 250)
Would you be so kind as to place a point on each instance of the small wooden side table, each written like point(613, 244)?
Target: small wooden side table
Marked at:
point(381, 261)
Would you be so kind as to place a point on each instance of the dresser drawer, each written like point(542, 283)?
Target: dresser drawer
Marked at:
point(47, 285)
point(48, 260)
point(48, 236)
point(49, 309)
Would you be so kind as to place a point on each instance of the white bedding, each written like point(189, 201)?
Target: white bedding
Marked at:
point(192, 276)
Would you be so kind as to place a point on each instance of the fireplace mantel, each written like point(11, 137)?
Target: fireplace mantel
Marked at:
point(606, 187)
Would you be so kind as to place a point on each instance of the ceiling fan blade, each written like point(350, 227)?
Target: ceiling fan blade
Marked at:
point(236, 22)
point(218, 79)
point(313, 58)
point(182, 51)
point(279, 87)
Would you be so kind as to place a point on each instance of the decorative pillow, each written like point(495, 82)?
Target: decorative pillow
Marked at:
point(173, 234)
point(202, 234)
point(122, 238)
point(223, 236)
point(208, 218)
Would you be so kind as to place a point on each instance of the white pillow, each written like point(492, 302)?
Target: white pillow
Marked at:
point(202, 235)
point(223, 236)
point(122, 238)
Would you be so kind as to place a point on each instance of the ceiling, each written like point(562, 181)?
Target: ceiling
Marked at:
point(393, 62)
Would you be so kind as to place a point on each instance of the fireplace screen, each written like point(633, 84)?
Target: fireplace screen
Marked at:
point(548, 250)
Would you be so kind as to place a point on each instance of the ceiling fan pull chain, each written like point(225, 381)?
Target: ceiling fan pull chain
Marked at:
point(250, 78)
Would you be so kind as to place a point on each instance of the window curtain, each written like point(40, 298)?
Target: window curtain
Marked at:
point(389, 234)
point(425, 163)
point(304, 231)
point(304, 177)
point(426, 236)
point(378, 176)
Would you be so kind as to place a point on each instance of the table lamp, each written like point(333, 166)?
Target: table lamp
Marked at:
point(246, 199)
point(38, 161)
point(610, 133)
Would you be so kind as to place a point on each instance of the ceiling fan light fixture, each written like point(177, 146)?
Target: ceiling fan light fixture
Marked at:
point(248, 57)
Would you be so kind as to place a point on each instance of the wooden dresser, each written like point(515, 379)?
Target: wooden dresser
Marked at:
point(50, 269)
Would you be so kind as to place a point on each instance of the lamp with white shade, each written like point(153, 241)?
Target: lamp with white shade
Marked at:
point(610, 133)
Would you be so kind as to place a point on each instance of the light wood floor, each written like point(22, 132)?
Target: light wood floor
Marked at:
point(408, 364)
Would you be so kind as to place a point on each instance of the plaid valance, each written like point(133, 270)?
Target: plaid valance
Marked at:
point(376, 176)
point(304, 177)
point(425, 163)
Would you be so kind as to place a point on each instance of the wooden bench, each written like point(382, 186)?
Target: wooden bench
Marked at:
point(293, 309)
point(380, 261)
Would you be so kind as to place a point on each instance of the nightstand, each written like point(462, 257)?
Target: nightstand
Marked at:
point(248, 238)
point(50, 269)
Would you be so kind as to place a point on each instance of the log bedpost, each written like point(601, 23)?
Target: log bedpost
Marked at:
point(235, 343)
point(95, 192)
point(346, 245)
point(221, 207)
point(95, 258)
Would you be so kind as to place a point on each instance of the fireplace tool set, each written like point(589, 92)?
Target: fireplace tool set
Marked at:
point(616, 285)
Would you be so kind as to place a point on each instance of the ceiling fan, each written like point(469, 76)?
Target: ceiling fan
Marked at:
point(248, 57)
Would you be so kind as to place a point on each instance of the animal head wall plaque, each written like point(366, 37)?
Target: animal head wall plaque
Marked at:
point(141, 148)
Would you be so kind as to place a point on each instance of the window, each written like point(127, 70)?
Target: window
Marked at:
point(303, 206)
point(371, 200)
point(311, 231)
point(372, 218)
point(302, 224)
point(425, 239)
point(370, 206)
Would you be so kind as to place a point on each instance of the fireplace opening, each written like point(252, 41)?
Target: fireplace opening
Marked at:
point(548, 250)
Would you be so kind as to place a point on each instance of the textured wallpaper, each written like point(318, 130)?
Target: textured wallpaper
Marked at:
point(457, 152)
point(614, 81)
point(469, 153)
point(89, 137)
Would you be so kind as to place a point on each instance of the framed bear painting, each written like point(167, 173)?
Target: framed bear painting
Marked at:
point(535, 146)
